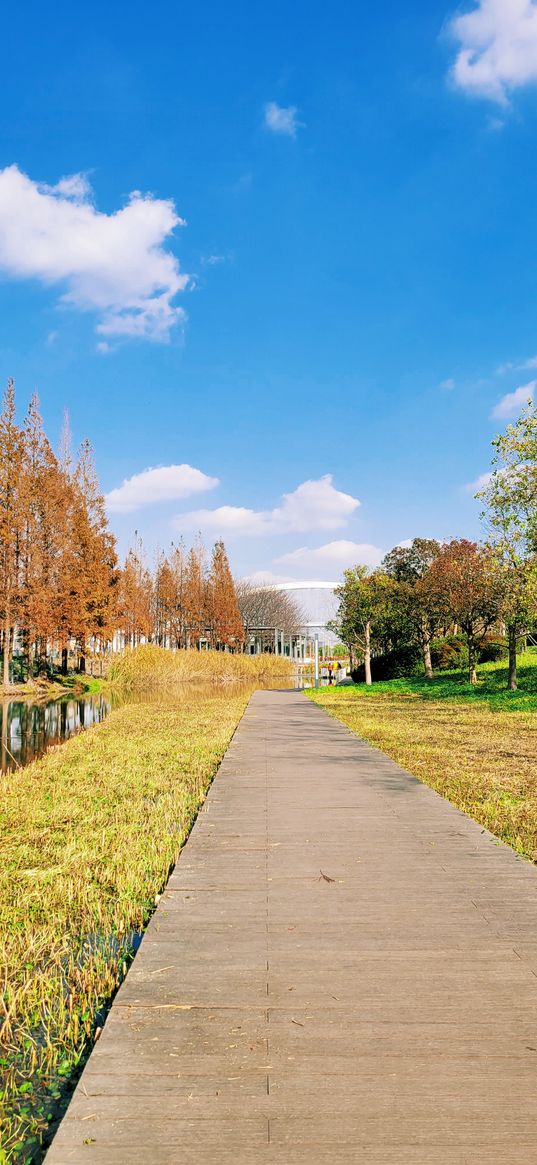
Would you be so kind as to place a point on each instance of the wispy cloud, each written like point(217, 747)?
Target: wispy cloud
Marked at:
point(113, 265)
point(474, 486)
point(163, 484)
point(512, 403)
point(339, 555)
point(282, 119)
point(448, 384)
point(498, 48)
point(516, 365)
point(314, 505)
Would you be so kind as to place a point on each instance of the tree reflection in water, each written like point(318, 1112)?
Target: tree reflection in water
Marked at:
point(28, 729)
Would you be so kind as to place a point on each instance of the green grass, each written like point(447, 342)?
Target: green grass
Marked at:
point(490, 689)
point(477, 747)
point(75, 684)
point(88, 835)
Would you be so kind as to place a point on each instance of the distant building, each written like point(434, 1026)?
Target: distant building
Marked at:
point(318, 605)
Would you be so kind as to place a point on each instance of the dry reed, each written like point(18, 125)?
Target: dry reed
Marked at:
point(149, 666)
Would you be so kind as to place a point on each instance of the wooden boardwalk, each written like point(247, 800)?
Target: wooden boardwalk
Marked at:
point(341, 970)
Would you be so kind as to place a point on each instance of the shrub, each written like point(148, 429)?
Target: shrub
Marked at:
point(393, 665)
point(493, 650)
point(449, 653)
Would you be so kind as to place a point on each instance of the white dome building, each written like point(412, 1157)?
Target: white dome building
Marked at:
point(319, 605)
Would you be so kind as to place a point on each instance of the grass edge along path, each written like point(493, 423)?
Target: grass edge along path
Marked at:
point(88, 835)
point(482, 759)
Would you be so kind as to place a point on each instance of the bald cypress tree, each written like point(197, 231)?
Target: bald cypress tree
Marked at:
point(11, 520)
point(225, 623)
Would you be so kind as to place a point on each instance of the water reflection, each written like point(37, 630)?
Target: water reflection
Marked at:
point(28, 729)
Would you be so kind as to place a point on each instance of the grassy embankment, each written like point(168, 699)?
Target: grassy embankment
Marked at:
point(88, 835)
point(75, 684)
point(475, 746)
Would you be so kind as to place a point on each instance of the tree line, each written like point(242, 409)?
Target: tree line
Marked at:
point(429, 591)
point(61, 587)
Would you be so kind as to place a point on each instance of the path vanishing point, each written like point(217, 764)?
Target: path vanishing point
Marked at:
point(342, 970)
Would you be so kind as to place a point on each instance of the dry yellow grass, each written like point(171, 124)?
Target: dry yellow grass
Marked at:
point(483, 760)
point(88, 835)
point(150, 666)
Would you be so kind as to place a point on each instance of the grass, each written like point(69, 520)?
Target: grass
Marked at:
point(75, 684)
point(149, 666)
point(477, 747)
point(491, 687)
point(88, 835)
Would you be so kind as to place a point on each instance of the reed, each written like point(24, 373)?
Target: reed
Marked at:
point(149, 666)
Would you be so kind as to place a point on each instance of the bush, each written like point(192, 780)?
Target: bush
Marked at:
point(493, 650)
point(393, 665)
point(449, 653)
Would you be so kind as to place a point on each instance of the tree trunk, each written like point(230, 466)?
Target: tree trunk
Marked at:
point(65, 661)
point(472, 672)
point(7, 649)
point(367, 653)
point(427, 662)
point(41, 652)
point(512, 678)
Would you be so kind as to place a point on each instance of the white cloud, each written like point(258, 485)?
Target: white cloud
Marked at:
point(267, 578)
point(481, 482)
point(164, 484)
point(338, 554)
point(531, 362)
point(498, 48)
point(512, 403)
point(314, 505)
point(111, 264)
point(282, 119)
point(447, 384)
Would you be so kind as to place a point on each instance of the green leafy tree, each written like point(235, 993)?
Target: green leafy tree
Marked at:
point(510, 515)
point(365, 614)
point(464, 584)
point(408, 565)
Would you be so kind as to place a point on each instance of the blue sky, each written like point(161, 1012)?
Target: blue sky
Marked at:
point(323, 291)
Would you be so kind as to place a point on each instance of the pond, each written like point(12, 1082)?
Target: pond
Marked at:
point(28, 729)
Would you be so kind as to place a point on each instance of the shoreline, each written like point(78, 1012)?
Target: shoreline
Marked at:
point(76, 685)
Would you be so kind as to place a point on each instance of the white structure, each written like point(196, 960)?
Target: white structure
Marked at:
point(319, 605)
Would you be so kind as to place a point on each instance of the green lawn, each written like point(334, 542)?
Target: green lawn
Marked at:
point(490, 688)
